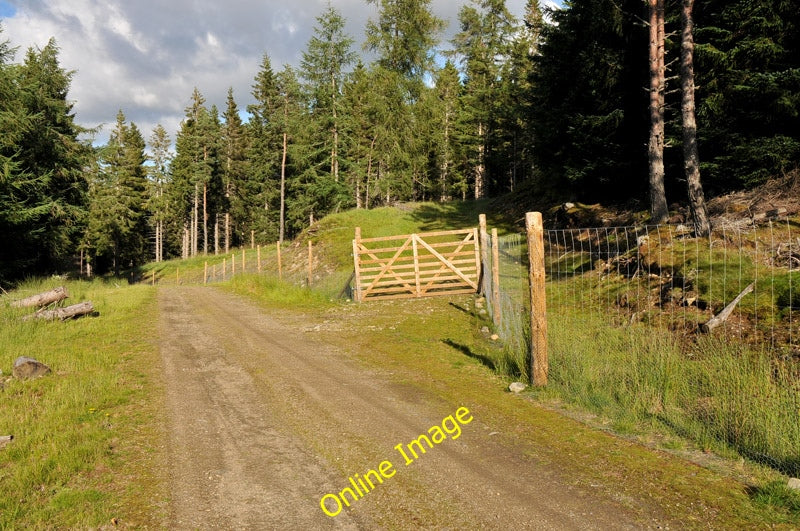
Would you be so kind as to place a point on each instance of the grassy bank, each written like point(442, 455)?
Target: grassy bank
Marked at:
point(85, 436)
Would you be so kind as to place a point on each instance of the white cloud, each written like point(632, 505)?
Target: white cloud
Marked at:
point(146, 56)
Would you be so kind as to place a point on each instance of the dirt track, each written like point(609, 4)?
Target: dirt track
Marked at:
point(265, 419)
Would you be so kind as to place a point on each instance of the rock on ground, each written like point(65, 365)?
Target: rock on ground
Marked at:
point(29, 368)
point(517, 387)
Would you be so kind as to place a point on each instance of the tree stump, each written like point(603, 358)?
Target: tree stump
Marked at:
point(25, 368)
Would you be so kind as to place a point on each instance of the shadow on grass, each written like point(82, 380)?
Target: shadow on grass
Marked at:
point(484, 360)
point(460, 309)
point(777, 495)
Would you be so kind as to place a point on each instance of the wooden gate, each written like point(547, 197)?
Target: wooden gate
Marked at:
point(416, 265)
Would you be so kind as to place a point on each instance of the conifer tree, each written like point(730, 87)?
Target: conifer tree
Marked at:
point(159, 180)
point(443, 133)
point(235, 168)
point(362, 132)
point(404, 36)
point(261, 191)
point(324, 65)
point(117, 216)
point(747, 64)
point(44, 145)
point(196, 172)
point(483, 45)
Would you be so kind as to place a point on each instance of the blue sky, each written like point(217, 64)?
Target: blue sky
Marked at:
point(146, 56)
point(6, 9)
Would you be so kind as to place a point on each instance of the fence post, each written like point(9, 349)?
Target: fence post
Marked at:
point(538, 347)
point(280, 271)
point(205, 274)
point(310, 258)
point(252, 239)
point(154, 277)
point(495, 279)
point(258, 258)
point(484, 243)
point(357, 264)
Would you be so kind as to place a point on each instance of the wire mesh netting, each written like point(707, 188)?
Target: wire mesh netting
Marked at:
point(650, 324)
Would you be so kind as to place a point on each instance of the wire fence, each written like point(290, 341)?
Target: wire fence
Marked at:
point(652, 325)
point(292, 263)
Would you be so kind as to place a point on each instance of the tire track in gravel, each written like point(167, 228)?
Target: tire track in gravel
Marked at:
point(265, 419)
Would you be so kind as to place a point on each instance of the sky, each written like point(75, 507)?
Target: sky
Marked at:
point(145, 57)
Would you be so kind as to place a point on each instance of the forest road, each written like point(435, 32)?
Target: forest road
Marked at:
point(264, 420)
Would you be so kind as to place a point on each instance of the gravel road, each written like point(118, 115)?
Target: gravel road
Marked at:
point(265, 421)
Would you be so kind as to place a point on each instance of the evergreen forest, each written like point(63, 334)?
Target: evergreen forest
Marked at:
point(559, 104)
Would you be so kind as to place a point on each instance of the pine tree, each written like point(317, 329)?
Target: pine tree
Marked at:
point(235, 168)
point(197, 172)
point(159, 180)
point(290, 125)
point(589, 109)
point(748, 98)
point(46, 161)
point(117, 216)
point(361, 132)
point(658, 200)
point(325, 61)
point(404, 37)
point(22, 197)
point(261, 191)
point(445, 109)
point(691, 157)
point(483, 45)
point(516, 141)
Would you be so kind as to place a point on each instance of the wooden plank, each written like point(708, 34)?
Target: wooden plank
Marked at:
point(412, 296)
point(447, 263)
point(427, 235)
point(388, 265)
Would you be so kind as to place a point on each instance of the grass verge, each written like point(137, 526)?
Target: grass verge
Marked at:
point(83, 451)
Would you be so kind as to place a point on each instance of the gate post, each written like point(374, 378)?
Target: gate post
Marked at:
point(484, 244)
point(496, 316)
point(357, 264)
point(538, 347)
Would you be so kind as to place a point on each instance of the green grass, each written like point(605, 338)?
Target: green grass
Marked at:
point(82, 452)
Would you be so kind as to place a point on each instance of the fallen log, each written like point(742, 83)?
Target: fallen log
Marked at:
point(68, 312)
point(42, 299)
point(720, 318)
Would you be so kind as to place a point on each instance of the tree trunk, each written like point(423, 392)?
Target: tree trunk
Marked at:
point(195, 220)
point(76, 310)
point(42, 299)
point(659, 211)
point(335, 147)
point(227, 232)
point(480, 168)
point(216, 234)
point(205, 218)
point(691, 158)
point(445, 158)
point(283, 191)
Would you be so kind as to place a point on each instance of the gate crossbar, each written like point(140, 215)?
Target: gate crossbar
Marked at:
point(418, 265)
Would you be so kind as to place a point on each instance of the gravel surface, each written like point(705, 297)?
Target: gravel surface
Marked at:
point(266, 420)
